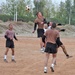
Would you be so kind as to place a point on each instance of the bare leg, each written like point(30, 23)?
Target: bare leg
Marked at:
point(41, 43)
point(7, 49)
point(64, 50)
point(13, 59)
point(54, 58)
point(53, 62)
point(46, 59)
point(46, 62)
point(12, 51)
point(5, 56)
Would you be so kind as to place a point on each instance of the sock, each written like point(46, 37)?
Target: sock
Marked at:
point(12, 56)
point(52, 65)
point(5, 56)
point(45, 67)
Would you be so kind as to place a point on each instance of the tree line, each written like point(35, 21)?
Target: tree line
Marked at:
point(63, 13)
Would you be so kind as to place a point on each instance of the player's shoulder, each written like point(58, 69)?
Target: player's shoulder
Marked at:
point(7, 30)
point(36, 20)
point(56, 31)
point(48, 30)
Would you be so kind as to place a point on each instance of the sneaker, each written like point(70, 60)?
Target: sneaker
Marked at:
point(69, 56)
point(52, 69)
point(13, 60)
point(45, 70)
point(5, 61)
point(42, 49)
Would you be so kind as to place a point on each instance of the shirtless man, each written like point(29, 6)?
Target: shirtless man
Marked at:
point(40, 21)
point(51, 47)
point(59, 43)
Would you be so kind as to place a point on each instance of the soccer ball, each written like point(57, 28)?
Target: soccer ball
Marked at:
point(27, 8)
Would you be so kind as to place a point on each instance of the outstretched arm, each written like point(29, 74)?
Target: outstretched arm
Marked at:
point(15, 38)
point(35, 25)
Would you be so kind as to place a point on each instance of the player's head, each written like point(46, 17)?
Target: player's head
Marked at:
point(39, 14)
point(53, 25)
point(45, 26)
point(10, 26)
point(50, 23)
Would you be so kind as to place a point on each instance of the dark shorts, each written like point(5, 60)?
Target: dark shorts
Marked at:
point(40, 32)
point(51, 48)
point(43, 39)
point(59, 43)
point(9, 44)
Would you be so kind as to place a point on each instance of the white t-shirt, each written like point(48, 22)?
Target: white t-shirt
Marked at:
point(49, 27)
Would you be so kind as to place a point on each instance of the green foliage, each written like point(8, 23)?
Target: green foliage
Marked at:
point(61, 14)
point(6, 17)
point(39, 6)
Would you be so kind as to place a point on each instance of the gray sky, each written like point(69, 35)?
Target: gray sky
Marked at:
point(54, 1)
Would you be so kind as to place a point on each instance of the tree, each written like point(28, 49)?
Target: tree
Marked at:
point(49, 9)
point(68, 10)
point(17, 8)
point(39, 6)
point(61, 13)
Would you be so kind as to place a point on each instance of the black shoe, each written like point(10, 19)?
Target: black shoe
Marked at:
point(69, 56)
point(5, 61)
point(45, 72)
point(52, 69)
point(13, 60)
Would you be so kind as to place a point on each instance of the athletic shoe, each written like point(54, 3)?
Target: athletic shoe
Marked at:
point(5, 61)
point(52, 67)
point(42, 49)
point(69, 56)
point(45, 70)
point(13, 60)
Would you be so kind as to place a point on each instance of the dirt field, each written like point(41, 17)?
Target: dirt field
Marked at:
point(30, 61)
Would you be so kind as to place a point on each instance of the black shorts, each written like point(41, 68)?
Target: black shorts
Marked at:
point(9, 44)
point(51, 48)
point(58, 42)
point(40, 32)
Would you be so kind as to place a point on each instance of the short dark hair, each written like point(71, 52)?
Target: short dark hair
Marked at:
point(38, 13)
point(53, 25)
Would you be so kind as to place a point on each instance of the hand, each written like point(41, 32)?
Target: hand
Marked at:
point(16, 39)
point(42, 22)
point(33, 31)
point(11, 39)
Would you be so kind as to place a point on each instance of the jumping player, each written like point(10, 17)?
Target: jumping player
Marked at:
point(40, 21)
point(51, 48)
point(9, 35)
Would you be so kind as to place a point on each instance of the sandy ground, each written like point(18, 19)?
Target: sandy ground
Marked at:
point(30, 61)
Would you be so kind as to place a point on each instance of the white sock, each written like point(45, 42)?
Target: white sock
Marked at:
point(45, 68)
point(52, 65)
point(12, 56)
point(5, 56)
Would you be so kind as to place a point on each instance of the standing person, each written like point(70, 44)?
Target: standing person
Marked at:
point(40, 20)
point(51, 47)
point(9, 35)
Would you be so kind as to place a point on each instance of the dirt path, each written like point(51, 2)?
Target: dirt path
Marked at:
point(30, 61)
